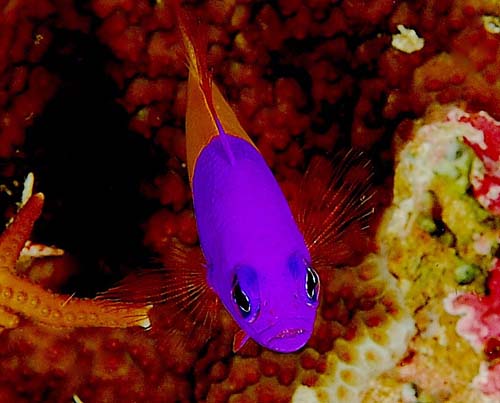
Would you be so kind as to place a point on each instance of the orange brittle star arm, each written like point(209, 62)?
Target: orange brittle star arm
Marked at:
point(21, 296)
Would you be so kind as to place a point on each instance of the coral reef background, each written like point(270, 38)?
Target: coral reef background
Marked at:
point(92, 100)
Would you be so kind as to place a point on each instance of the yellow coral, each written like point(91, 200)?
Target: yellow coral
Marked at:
point(432, 175)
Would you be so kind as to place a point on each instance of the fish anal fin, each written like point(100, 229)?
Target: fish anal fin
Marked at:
point(240, 339)
point(180, 286)
point(333, 207)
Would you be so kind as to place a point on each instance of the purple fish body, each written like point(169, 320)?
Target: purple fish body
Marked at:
point(253, 258)
point(257, 259)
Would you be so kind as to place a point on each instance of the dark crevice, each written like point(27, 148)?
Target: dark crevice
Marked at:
point(89, 165)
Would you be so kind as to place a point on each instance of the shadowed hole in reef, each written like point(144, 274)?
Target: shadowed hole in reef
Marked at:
point(90, 167)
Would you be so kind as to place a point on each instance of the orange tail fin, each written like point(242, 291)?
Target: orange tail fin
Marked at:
point(195, 46)
point(208, 114)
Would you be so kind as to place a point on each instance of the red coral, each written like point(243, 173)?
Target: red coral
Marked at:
point(480, 325)
point(24, 90)
point(486, 144)
point(487, 190)
point(368, 11)
point(488, 150)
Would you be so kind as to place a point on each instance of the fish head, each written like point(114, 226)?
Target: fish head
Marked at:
point(275, 306)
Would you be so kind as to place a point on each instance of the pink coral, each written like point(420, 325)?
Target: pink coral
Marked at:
point(480, 324)
point(485, 141)
point(482, 313)
point(487, 148)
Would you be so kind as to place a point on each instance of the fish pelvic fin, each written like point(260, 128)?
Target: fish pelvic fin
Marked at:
point(239, 340)
point(334, 207)
point(200, 85)
point(180, 287)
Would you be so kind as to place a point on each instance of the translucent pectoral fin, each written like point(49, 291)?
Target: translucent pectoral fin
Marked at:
point(181, 285)
point(333, 206)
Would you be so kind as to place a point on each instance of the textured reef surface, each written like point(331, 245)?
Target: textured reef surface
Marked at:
point(441, 243)
point(92, 101)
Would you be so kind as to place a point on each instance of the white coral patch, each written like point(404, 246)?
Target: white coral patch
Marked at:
point(36, 250)
point(483, 244)
point(476, 137)
point(455, 114)
point(28, 188)
point(434, 329)
point(409, 394)
point(432, 152)
point(484, 201)
point(493, 192)
point(491, 23)
point(407, 40)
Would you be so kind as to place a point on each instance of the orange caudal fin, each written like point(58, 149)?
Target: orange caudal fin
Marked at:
point(180, 284)
point(195, 40)
point(334, 205)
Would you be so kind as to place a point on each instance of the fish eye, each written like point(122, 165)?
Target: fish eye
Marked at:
point(245, 293)
point(241, 299)
point(312, 284)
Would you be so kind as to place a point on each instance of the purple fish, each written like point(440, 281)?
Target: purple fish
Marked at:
point(257, 261)
point(256, 258)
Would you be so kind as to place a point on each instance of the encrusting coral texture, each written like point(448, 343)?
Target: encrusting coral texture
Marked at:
point(99, 87)
point(440, 243)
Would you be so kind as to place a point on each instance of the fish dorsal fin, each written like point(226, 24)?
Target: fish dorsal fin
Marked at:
point(240, 339)
point(181, 284)
point(200, 85)
point(335, 199)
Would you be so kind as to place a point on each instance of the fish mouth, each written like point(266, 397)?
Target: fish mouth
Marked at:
point(288, 333)
point(288, 338)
